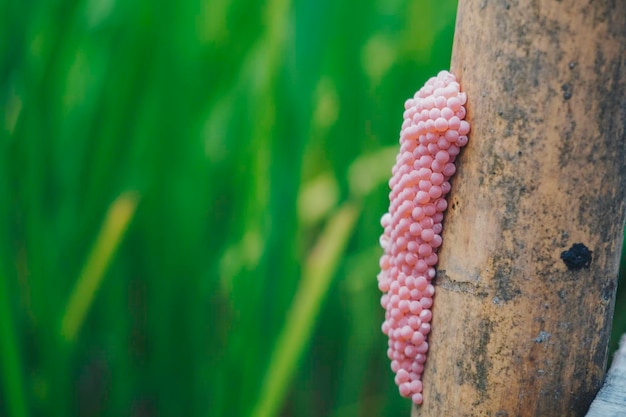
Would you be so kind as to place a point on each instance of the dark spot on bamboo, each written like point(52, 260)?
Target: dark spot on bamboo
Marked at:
point(483, 363)
point(505, 289)
point(608, 291)
point(577, 257)
point(567, 91)
point(542, 337)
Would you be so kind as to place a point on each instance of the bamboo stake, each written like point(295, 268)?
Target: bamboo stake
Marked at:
point(611, 400)
point(516, 331)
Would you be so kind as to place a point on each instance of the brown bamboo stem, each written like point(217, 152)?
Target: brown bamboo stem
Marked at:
point(515, 331)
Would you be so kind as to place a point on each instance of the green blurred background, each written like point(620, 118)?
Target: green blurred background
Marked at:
point(190, 195)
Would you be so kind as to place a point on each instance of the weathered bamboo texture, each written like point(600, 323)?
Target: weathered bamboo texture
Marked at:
point(516, 332)
point(611, 400)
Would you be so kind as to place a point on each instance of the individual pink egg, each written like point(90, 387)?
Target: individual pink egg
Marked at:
point(426, 302)
point(432, 148)
point(413, 320)
point(437, 178)
point(461, 141)
point(426, 161)
point(429, 210)
point(429, 291)
point(403, 293)
point(417, 367)
point(418, 338)
point(451, 136)
point(421, 266)
point(410, 351)
point(415, 307)
point(454, 103)
point(441, 124)
point(416, 385)
point(447, 113)
point(441, 205)
point(431, 137)
point(424, 185)
point(454, 123)
point(454, 150)
point(449, 170)
point(424, 172)
point(419, 151)
point(422, 197)
point(406, 332)
point(437, 166)
point(411, 133)
point(427, 235)
point(415, 230)
point(421, 283)
point(442, 156)
point(435, 192)
point(405, 390)
point(425, 250)
point(431, 260)
point(427, 222)
point(434, 113)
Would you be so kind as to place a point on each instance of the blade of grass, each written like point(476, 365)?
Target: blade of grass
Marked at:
point(319, 269)
point(371, 170)
point(10, 360)
point(118, 217)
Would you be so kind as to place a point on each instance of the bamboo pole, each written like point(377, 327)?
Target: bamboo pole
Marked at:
point(517, 330)
point(611, 400)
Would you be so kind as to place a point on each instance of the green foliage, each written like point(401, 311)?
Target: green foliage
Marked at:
point(190, 201)
point(191, 194)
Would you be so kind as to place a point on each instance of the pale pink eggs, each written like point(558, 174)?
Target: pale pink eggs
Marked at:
point(432, 134)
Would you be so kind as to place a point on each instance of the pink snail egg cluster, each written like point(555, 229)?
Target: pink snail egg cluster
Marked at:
point(433, 132)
